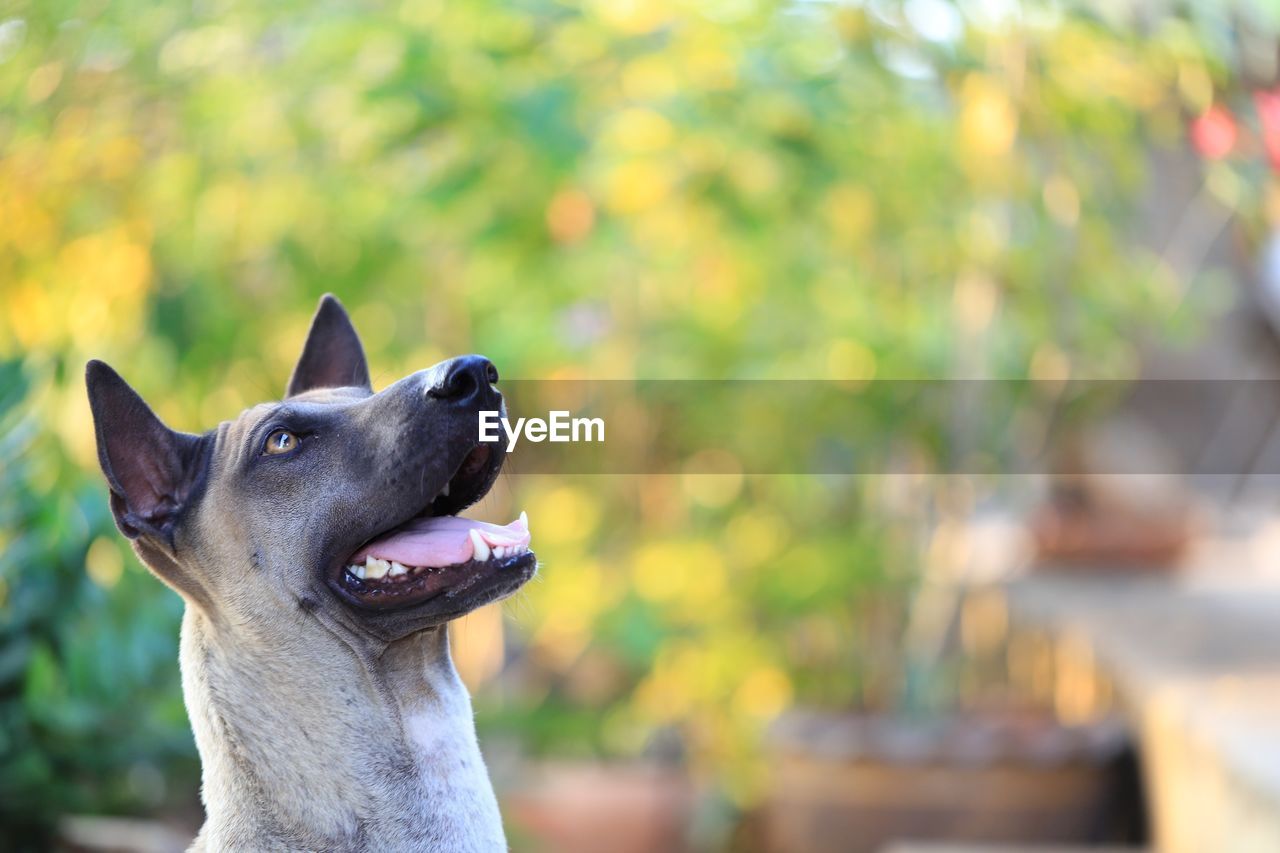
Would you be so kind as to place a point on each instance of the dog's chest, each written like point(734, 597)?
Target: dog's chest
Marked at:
point(455, 785)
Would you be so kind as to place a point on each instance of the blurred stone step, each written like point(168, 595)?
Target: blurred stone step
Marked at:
point(947, 847)
point(98, 834)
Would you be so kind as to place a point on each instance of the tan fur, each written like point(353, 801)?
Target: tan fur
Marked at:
point(320, 725)
point(313, 736)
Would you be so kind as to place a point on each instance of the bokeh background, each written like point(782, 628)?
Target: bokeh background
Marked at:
point(626, 189)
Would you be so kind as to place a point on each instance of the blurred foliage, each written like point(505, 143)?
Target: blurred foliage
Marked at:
point(622, 189)
point(91, 716)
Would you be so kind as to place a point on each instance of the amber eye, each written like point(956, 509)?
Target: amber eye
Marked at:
point(280, 441)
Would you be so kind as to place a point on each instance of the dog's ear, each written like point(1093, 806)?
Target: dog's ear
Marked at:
point(152, 471)
point(332, 356)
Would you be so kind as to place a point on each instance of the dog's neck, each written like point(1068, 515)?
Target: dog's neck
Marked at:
point(307, 741)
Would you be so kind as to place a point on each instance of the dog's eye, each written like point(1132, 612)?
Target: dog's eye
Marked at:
point(280, 441)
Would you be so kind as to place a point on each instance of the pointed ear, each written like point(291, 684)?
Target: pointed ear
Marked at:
point(152, 471)
point(332, 356)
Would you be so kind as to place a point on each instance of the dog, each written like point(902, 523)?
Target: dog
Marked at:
point(316, 544)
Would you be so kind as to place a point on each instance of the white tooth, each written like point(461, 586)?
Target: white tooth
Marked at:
point(374, 569)
point(397, 569)
point(445, 490)
point(358, 571)
point(479, 546)
point(500, 552)
point(524, 519)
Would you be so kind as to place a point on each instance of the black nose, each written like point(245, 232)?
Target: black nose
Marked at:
point(465, 378)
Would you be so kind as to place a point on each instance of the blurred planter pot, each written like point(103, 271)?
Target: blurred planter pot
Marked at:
point(1116, 503)
point(610, 808)
point(1085, 538)
point(855, 783)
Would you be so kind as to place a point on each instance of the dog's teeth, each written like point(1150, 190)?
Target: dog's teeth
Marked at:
point(500, 552)
point(479, 546)
point(375, 568)
point(397, 570)
point(358, 571)
point(524, 519)
point(445, 491)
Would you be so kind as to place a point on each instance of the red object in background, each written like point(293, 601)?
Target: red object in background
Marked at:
point(1268, 106)
point(572, 807)
point(1214, 132)
point(858, 783)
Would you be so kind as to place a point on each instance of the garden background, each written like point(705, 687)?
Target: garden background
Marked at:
point(668, 190)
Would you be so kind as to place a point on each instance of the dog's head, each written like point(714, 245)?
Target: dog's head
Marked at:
point(336, 501)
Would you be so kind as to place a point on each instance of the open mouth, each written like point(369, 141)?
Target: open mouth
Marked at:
point(436, 554)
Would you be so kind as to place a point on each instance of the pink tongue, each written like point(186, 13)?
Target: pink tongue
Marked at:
point(441, 541)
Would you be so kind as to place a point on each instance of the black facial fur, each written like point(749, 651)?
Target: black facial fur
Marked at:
point(153, 472)
point(333, 356)
point(364, 463)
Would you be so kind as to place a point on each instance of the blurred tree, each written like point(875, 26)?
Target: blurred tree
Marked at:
point(90, 715)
